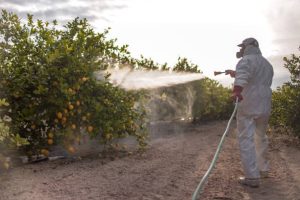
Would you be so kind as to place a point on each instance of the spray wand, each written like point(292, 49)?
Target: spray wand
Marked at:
point(228, 71)
point(218, 73)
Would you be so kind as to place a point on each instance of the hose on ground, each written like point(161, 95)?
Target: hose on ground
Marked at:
point(200, 186)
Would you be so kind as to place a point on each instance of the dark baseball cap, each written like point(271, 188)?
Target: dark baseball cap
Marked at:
point(249, 41)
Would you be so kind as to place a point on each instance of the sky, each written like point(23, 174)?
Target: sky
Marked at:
point(204, 31)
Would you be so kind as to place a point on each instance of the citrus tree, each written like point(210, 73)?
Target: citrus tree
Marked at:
point(285, 100)
point(47, 77)
point(212, 101)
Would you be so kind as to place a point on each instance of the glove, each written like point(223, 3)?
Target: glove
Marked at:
point(236, 93)
point(230, 72)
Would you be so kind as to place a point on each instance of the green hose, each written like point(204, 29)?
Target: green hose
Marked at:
point(204, 178)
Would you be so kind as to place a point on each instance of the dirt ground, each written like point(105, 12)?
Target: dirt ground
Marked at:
point(177, 157)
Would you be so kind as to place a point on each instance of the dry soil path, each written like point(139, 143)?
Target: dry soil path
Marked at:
point(171, 168)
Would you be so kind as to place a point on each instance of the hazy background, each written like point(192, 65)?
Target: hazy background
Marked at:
point(204, 31)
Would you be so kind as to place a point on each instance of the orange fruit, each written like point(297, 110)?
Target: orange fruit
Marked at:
point(45, 152)
point(6, 165)
point(50, 141)
point(63, 120)
point(73, 126)
point(33, 126)
point(71, 149)
point(108, 136)
point(84, 118)
point(65, 111)
point(90, 129)
point(71, 107)
point(84, 79)
point(59, 115)
point(78, 103)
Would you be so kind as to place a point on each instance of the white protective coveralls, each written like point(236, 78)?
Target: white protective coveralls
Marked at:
point(254, 73)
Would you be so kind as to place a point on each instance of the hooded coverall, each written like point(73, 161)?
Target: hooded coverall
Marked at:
point(254, 74)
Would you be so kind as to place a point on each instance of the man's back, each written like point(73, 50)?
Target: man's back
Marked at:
point(254, 73)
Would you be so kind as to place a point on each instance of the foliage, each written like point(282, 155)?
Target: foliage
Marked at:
point(212, 101)
point(6, 138)
point(146, 63)
point(47, 77)
point(285, 100)
point(183, 65)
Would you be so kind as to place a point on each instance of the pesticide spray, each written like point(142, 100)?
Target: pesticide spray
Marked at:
point(131, 79)
point(169, 97)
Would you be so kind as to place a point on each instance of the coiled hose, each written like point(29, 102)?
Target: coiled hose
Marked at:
point(212, 164)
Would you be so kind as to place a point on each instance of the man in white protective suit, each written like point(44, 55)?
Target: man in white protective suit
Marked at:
point(253, 79)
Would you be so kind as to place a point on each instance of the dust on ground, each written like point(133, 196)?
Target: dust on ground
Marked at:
point(175, 161)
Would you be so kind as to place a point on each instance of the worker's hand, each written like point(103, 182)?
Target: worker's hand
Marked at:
point(230, 72)
point(236, 93)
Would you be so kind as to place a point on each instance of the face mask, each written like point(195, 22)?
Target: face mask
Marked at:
point(240, 53)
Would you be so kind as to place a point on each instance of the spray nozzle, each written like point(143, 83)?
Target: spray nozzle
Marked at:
point(218, 73)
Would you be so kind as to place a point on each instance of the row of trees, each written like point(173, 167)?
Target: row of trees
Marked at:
point(49, 94)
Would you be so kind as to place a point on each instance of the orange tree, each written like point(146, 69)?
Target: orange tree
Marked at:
point(285, 100)
point(212, 101)
point(47, 78)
